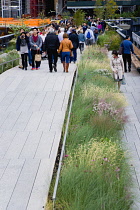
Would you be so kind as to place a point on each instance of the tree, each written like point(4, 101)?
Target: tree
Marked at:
point(99, 10)
point(105, 9)
point(79, 17)
point(110, 8)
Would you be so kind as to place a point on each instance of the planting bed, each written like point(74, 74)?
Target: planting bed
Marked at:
point(95, 173)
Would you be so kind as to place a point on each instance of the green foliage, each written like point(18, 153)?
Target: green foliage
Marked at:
point(10, 56)
point(66, 15)
point(15, 29)
point(99, 11)
point(42, 14)
point(95, 174)
point(110, 8)
point(79, 17)
point(95, 177)
point(111, 38)
point(105, 9)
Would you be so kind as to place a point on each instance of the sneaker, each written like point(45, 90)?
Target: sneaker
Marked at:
point(26, 68)
point(37, 68)
point(32, 68)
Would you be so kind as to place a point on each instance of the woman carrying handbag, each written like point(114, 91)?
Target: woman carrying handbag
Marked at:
point(36, 44)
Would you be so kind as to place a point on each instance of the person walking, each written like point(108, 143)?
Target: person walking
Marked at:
point(82, 39)
point(23, 47)
point(51, 46)
point(65, 47)
point(89, 36)
point(75, 42)
point(117, 67)
point(36, 44)
point(28, 34)
point(127, 48)
point(99, 26)
point(60, 35)
point(17, 46)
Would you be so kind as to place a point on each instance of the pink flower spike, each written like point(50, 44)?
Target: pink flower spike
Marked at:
point(66, 156)
point(117, 169)
point(93, 160)
point(105, 159)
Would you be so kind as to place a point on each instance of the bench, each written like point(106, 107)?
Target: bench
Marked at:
point(136, 62)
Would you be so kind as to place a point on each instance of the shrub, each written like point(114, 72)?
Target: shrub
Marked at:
point(111, 38)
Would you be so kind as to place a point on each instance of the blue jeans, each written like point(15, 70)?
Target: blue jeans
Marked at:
point(29, 57)
point(74, 58)
point(66, 57)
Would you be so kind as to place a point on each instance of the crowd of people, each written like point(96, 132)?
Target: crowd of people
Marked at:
point(57, 40)
point(62, 40)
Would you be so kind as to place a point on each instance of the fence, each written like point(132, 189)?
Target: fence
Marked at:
point(136, 39)
point(5, 65)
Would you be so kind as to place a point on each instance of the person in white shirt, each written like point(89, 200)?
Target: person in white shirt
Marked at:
point(60, 35)
point(43, 36)
point(89, 36)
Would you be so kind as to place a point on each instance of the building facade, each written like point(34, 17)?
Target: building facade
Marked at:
point(86, 4)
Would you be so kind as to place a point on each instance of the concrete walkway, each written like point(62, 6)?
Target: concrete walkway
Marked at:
point(131, 135)
point(32, 111)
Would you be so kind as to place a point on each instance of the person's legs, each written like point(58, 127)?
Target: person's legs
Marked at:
point(82, 47)
point(67, 61)
point(33, 58)
point(30, 57)
point(55, 54)
point(25, 60)
point(129, 62)
point(74, 55)
point(22, 58)
point(124, 61)
point(50, 59)
point(63, 60)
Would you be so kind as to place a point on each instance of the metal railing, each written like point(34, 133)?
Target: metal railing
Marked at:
point(64, 142)
point(4, 63)
point(136, 38)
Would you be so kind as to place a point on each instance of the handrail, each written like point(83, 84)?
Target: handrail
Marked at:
point(64, 142)
point(2, 64)
point(6, 36)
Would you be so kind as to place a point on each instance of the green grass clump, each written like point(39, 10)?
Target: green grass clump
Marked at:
point(10, 56)
point(95, 177)
point(111, 38)
point(95, 174)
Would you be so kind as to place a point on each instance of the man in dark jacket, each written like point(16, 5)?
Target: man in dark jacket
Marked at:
point(75, 41)
point(51, 45)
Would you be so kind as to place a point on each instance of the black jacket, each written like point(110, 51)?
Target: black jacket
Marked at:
point(18, 42)
point(51, 42)
point(75, 41)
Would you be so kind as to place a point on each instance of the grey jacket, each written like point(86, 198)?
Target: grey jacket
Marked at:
point(38, 43)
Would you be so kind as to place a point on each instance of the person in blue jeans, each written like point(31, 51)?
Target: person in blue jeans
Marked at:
point(65, 49)
point(82, 39)
point(75, 41)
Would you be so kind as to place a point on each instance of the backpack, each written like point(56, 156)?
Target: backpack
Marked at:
point(88, 35)
point(23, 42)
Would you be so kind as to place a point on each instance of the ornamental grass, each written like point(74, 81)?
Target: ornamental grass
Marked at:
point(95, 173)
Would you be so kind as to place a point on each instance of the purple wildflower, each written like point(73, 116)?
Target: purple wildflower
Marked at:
point(66, 155)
